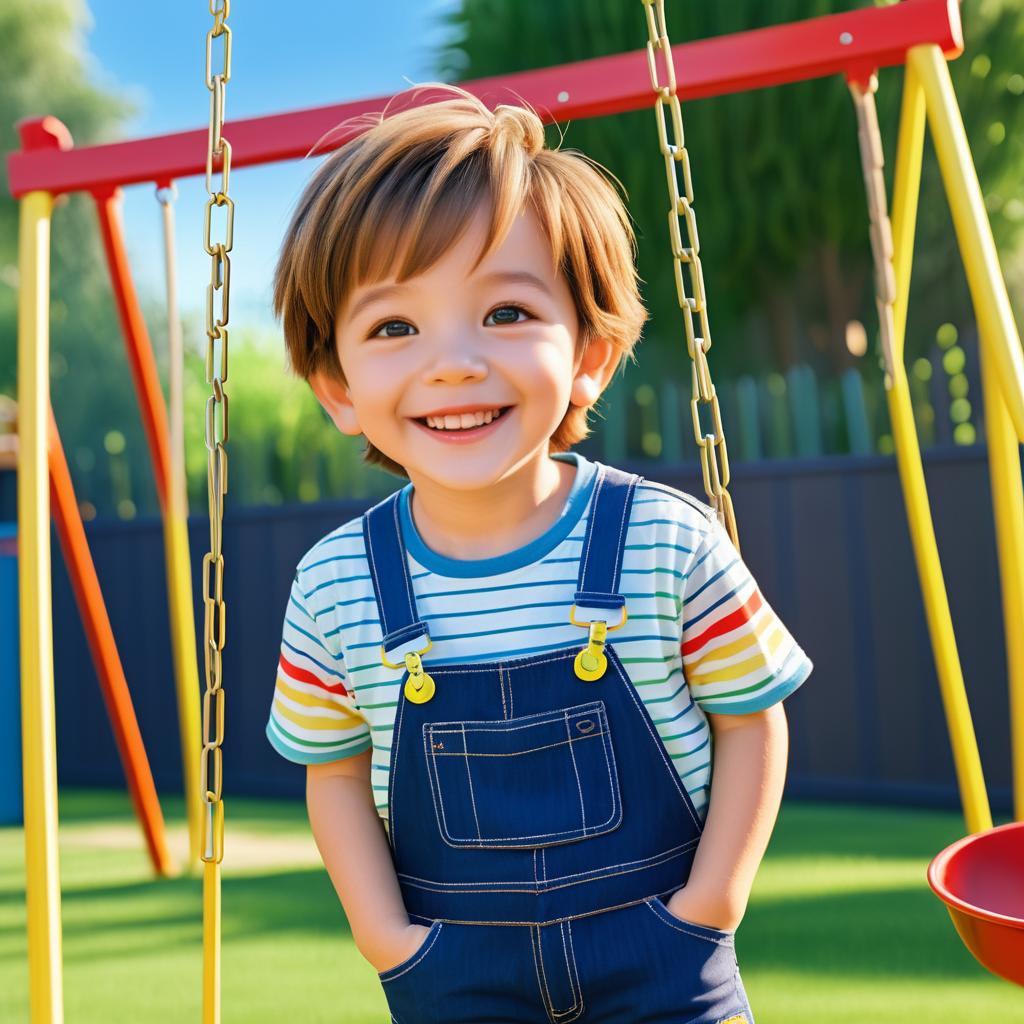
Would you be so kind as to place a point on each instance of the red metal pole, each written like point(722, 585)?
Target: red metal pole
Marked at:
point(834, 44)
point(100, 635)
point(137, 344)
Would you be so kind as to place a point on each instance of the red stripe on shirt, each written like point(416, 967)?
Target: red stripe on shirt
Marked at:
point(744, 613)
point(305, 676)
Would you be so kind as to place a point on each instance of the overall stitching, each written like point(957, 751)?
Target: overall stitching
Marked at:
point(487, 724)
point(563, 835)
point(739, 992)
point(541, 986)
point(680, 926)
point(517, 753)
point(574, 973)
point(577, 996)
point(501, 684)
point(575, 768)
point(396, 742)
point(373, 574)
point(590, 522)
point(549, 1005)
point(405, 564)
point(619, 546)
point(469, 777)
point(571, 879)
point(417, 957)
point(541, 924)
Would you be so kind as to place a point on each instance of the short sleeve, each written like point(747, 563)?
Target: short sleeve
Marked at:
point(738, 657)
point(314, 717)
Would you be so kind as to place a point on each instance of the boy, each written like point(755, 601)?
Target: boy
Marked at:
point(509, 822)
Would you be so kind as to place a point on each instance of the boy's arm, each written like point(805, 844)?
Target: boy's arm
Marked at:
point(351, 839)
point(747, 779)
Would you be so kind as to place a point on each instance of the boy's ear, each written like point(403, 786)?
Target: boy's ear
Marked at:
point(593, 372)
point(334, 397)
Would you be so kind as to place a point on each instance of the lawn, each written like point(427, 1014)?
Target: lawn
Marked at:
point(841, 925)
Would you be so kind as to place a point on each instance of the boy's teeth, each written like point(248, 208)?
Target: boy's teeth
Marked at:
point(464, 421)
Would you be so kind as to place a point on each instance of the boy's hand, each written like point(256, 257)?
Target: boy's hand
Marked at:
point(690, 904)
point(395, 946)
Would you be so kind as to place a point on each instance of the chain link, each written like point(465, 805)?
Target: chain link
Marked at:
point(714, 455)
point(216, 434)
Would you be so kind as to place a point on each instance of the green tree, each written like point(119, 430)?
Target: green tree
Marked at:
point(779, 195)
point(281, 446)
point(44, 72)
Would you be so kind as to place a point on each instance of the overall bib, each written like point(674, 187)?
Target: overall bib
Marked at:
point(537, 825)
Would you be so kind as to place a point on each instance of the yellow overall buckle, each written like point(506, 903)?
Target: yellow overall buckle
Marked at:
point(419, 686)
point(591, 662)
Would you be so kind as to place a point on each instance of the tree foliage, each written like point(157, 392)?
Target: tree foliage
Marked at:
point(46, 71)
point(778, 189)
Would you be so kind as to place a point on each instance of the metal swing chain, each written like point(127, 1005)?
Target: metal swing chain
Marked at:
point(216, 434)
point(714, 456)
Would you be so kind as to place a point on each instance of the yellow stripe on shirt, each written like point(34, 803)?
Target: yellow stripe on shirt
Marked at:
point(733, 672)
point(342, 720)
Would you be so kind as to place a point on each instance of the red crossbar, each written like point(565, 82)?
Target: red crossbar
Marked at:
point(854, 44)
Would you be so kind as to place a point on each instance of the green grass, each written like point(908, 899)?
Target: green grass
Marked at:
point(841, 925)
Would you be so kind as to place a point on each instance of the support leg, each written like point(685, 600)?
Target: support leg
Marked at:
point(974, 233)
point(100, 635)
point(39, 741)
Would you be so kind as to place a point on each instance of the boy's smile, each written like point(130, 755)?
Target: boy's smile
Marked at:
point(462, 425)
point(429, 363)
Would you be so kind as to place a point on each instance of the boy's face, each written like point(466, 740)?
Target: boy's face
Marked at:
point(445, 344)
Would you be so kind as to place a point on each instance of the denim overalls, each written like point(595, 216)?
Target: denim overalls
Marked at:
point(536, 821)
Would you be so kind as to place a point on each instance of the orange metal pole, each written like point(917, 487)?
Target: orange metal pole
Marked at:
point(137, 343)
point(98, 632)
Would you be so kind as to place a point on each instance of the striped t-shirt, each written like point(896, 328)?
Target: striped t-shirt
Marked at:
point(699, 636)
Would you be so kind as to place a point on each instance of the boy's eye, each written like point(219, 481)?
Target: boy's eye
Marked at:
point(500, 313)
point(506, 307)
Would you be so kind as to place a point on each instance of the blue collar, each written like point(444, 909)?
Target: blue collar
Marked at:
point(575, 503)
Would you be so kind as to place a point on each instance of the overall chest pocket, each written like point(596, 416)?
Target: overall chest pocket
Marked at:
point(524, 782)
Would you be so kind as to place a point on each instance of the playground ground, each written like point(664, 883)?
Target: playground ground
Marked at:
point(841, 924)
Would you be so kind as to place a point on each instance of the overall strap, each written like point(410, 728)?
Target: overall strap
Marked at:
point(601, 559)
point(596, 587)
point(392, 586)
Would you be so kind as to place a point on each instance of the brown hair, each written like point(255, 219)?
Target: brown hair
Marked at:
point(416, 177)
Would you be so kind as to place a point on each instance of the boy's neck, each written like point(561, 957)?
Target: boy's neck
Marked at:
point(470, 525)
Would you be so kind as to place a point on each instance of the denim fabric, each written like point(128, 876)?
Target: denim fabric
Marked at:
point(537, 825)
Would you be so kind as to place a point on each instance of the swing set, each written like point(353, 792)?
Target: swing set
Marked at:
point(978, 877)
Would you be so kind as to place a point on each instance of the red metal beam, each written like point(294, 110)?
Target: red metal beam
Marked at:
point(852, 44)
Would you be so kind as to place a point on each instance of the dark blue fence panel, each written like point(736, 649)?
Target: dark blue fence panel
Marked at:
point(827, 540)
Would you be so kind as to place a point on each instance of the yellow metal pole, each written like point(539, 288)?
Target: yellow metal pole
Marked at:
point(211, 942)
point(1002, 363)
point(974, 233)
point(966, 758)
point(906, 191)
point(39, 742)
point(1008, 512)
point(183, 652)
point(179, 568)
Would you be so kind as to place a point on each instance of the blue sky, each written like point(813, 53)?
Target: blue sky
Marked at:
point(284, 57)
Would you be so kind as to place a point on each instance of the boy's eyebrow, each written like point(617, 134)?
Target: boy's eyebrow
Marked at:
point(386, 291)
